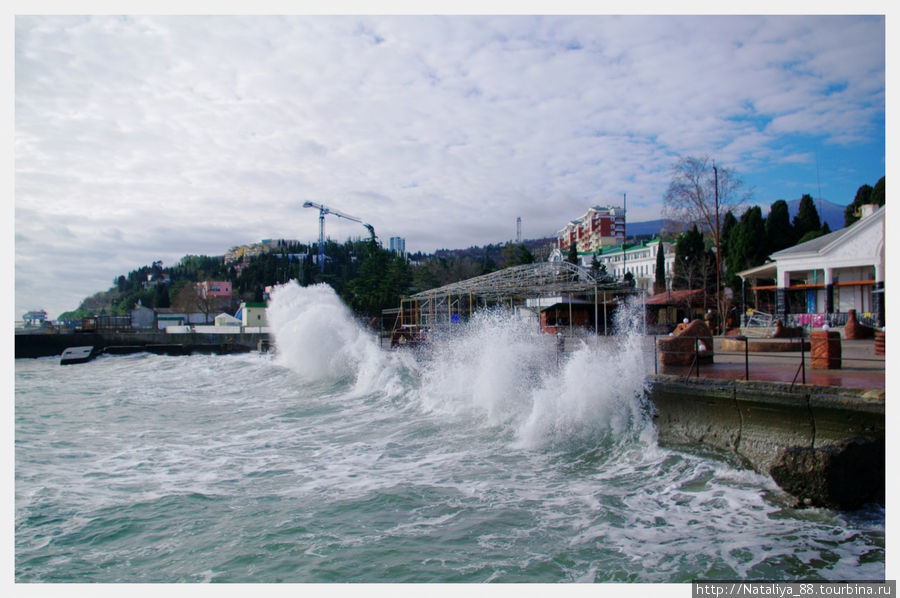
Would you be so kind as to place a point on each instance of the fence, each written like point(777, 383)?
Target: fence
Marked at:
point(817, 320)
point(791, 361)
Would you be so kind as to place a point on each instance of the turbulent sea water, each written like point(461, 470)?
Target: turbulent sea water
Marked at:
point(479, 459)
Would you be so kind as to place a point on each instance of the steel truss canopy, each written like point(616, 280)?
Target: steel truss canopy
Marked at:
point(528, 280)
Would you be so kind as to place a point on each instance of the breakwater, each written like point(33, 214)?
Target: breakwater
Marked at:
point(48, 345)
point(822, 444)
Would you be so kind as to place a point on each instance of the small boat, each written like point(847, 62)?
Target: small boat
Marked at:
point(77, 355)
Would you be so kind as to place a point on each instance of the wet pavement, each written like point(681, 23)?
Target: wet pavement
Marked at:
point(860, 367)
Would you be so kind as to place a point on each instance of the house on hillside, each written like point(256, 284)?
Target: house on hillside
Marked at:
point(822, 279)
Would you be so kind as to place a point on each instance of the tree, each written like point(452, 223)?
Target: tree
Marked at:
point(698, 192)
point(516, 254)
point(572, 256)
point(863, 196)
point(659, 275)
point(807, 218)
point(877, 197)
point(595, 267)
point(747, 247)
point(383, 279)
point(729, 222)
point(691, 196)
point(695, 265)
point(779, 232)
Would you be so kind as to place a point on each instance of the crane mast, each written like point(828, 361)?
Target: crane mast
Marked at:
point(326, 210)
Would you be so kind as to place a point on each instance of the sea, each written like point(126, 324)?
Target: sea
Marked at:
point(481, 456)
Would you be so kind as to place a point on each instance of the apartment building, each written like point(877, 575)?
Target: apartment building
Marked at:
point(599, 227)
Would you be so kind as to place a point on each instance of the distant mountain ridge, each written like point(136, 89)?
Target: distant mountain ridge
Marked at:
point(829, 212)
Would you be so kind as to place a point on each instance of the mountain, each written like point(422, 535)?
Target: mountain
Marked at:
point(831, 213)
point(650, 227)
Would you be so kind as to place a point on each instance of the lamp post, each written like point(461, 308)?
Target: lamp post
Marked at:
point(718, 256)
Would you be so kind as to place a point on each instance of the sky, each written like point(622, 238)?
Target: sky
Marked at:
point(144, 138)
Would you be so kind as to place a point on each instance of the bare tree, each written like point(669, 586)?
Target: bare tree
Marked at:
point(190, 299)
point(691, 196)
point(698, 193)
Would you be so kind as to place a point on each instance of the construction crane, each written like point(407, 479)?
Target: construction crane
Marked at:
point(326, 210)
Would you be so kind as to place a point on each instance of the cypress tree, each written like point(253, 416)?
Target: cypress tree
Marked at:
point(572, 256)
point(807, 218)
point(659, 284)
point(877, 196)
point(779, 232)
point(747, 246)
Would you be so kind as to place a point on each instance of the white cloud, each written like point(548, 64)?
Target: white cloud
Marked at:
point(193, 134)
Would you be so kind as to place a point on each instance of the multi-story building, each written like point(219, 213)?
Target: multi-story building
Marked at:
point(639, 259)
point(398, 246)
point(599, 227)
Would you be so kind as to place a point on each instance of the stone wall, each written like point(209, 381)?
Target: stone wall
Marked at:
point(781, 431)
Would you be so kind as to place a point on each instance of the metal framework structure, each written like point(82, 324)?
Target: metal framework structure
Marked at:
point(510, 287)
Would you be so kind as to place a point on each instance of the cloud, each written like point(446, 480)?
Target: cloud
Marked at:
point(149, 136)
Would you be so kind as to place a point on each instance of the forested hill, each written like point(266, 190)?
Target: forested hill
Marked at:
point(368, 278)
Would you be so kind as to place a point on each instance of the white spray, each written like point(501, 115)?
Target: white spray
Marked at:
point(497, 370)
point(317, 337)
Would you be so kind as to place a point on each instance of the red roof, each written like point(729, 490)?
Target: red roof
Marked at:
point(676, 297)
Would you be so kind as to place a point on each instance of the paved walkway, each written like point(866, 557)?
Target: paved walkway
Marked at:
point(860, 367)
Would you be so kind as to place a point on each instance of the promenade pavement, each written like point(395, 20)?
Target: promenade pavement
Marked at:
point(860, 367)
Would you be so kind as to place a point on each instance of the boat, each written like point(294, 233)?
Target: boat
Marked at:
point(74, 355)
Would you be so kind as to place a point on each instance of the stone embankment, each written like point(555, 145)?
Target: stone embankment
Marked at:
point(823, 445)
point(47, 345)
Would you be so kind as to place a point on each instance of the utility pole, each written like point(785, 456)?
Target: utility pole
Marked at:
point(624, 234)
point(719, 307)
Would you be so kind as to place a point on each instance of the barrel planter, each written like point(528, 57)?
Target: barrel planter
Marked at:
point(825, 349)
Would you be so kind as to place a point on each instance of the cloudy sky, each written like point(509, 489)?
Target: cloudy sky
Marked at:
point(147, 138)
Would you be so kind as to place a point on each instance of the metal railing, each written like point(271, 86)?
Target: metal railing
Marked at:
point(759, 319)
point(799, 344)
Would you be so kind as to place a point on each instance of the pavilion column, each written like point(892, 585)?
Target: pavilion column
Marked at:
point(829, 290)
point(782, 297)
point(878, 296)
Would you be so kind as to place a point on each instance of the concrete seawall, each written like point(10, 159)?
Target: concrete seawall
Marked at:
point(822, 444)
point(47, 345)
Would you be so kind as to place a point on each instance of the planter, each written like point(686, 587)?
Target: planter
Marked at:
point(825, 351)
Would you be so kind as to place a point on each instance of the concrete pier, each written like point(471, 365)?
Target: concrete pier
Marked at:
point(48, 345)
point(822, 444)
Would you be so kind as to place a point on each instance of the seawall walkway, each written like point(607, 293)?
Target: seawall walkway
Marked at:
point(822, 441)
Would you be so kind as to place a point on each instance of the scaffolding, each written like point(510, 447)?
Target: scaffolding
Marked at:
point(440, 308)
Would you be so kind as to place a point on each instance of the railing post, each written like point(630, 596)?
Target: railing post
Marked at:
point(746, 358)
point(655, 356)
point(802, 358)
point(697, 353)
